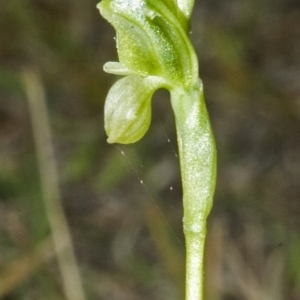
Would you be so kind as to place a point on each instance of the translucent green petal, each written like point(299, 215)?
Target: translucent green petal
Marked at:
point(127, 110)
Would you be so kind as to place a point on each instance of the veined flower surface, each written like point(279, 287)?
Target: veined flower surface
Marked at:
point(152, 39)
point(127, 110)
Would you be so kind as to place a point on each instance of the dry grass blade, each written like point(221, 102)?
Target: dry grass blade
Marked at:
point(72, 283)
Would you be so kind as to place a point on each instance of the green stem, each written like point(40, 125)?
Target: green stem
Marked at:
point(197, 154)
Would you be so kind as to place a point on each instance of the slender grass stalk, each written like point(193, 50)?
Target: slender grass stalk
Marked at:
point(72, 283)
point(155, 52)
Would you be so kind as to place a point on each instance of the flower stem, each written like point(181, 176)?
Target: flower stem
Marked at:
point(197, 153)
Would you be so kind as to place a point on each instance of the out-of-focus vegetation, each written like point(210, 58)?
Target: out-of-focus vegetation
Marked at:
point(127, 236)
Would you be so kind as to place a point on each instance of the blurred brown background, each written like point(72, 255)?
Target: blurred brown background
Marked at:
point(127, 236)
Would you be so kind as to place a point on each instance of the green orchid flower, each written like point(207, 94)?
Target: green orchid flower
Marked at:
point(155, 52)
point(152, 38)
